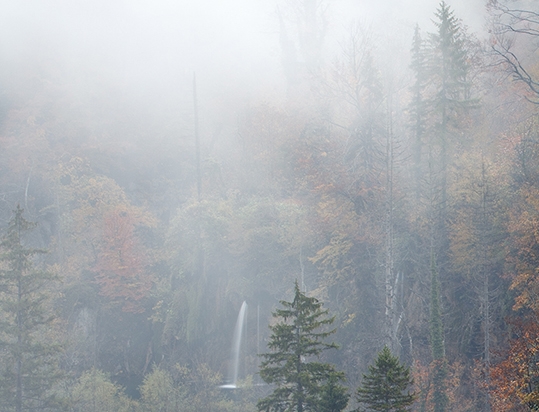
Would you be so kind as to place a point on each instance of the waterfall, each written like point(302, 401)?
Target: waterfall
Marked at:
point(236, 347)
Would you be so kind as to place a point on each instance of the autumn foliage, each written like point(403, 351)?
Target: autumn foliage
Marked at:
point(515, 379)
point(122, 275)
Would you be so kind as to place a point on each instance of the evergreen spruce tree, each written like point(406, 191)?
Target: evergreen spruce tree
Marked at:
point(27, 359)
point(449, 74)
point(448, 61)
point(447, 92)
point(386, 386)
point(449, 99)
point(302, 382)
point(334, 397)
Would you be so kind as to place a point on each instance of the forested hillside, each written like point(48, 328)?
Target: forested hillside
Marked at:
point(394, 176)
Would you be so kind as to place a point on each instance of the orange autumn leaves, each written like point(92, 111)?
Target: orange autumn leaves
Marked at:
point(100, 234)
point(515, 379)
point(122, 274)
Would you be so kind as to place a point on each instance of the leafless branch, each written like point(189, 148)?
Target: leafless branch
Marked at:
point(508, 24)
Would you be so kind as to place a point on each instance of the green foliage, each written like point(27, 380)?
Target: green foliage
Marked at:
point(386, 386)
point(334, 397)
point(204, 393)
point(94, 392)
point(159, 393)
point(199, 386)
point(28, 357)
point(296, 344)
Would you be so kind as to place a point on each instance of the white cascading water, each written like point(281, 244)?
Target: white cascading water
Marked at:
point(236, 347)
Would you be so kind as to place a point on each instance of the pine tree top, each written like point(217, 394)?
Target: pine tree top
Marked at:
point(386, 385)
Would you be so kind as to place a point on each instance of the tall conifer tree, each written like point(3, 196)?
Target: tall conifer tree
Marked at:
point(449, 99)
point(28, 360)
point(302, 382)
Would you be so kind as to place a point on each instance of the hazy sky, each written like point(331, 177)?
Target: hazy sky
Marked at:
point(144, 29)
point(153, 46)
point(410, 12)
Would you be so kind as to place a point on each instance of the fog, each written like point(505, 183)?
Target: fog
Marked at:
point(148, 49)
point(391, 184)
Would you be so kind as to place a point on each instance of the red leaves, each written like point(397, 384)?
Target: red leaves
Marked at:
point(121, 263)
point(514, 380)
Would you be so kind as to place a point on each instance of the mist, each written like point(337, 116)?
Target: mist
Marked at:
point(148, 51)
point(193, 167)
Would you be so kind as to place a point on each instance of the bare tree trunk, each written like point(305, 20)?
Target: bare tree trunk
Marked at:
point(18, 368)
point(391, 280)
point(485, 292)
point(18, 359)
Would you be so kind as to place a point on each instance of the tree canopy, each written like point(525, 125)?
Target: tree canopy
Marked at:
point(387, 385)
point(393, 170)
point(293, 365)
